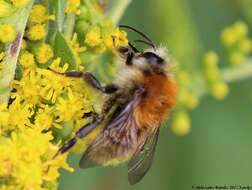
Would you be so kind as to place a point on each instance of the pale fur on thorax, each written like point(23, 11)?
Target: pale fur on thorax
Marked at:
point(129, 77)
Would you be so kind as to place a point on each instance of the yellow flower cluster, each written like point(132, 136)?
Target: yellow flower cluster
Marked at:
point(27, 163)
point(102, 38)
point(73, 6)
point(186, 97)
point(6, 9)
point(44, 53)
point(7, 33)
point(1, 63)
point(39, 15)
point(20, 3)
point(41, 106)
point(181, 123)
point(42, 100)
point(37, 19)
point(218, 88)
point(187, 100)
point(235, 39)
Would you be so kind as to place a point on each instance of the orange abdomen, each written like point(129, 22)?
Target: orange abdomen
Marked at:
point(160, 98)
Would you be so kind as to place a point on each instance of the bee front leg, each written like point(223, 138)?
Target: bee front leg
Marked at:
point(92, 81)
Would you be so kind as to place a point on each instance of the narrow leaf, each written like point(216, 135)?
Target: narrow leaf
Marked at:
point(60, 6)
point(63, 50)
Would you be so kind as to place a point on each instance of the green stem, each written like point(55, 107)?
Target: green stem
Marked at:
point(117, 9)
point(69, 25)
point(19, 20)
point(234, 74)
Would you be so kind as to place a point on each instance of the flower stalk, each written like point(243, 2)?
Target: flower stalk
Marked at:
point(234, 74)
point(117, 9)
point(19, 19)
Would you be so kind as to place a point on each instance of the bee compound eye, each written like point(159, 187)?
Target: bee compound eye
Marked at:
point(123, 50)
point(152, 58)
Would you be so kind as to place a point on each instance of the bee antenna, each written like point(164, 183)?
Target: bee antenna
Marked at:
point(133, 47)
point(139, 32)
point(147, 43)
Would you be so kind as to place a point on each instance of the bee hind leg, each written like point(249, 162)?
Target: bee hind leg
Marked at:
point(82, 132)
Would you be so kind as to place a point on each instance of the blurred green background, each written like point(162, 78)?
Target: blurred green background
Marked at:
point(218, 149)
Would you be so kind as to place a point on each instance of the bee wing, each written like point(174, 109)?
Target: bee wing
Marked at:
point(109, 143)
point(141, 161)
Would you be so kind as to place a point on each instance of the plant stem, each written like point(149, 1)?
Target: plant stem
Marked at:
point(69, 25)
point(234, 74)
point(117, 9)
point(18, 19)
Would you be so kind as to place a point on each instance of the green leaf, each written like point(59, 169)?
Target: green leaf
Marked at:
point(19, 72)
point(60, 6)
point(4, 90)
point(63, 50)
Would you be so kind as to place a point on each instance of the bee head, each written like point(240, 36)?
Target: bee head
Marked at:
point(153, 59)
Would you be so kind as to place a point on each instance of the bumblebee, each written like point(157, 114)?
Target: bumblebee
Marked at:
point(136, 104)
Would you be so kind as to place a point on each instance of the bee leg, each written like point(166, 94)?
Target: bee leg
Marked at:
point(92, 81)
point(86, 129)
point(90, 114)
point(82, 132)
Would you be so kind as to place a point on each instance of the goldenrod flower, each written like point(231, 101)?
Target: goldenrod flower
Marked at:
point(246, 45)
point(4, 115)
point(93, 37)
point(23, 45)
point(2, 54)
point(228, 37)
point(74, 44)
point(39, 15)
point(188, 99)
point(5, 9)
point(183, 78)
point(44, 118)
point(37, 32)
point(231, 35)
point(20, 3)
point(22, 157)
point(27, 60)
point(53, 84)
point(69, 108)
point(19, 115)
point(44, 53)
point(240, 29)
point(219, 90)
point(236, 58)
point(73, 6)
point(29, 88)
point(7, 33)
point(211, 59)
point(181, 124)
point(115, 39)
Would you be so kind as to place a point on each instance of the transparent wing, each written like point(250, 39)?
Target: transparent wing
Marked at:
point(109, 143)
point(141, 162)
